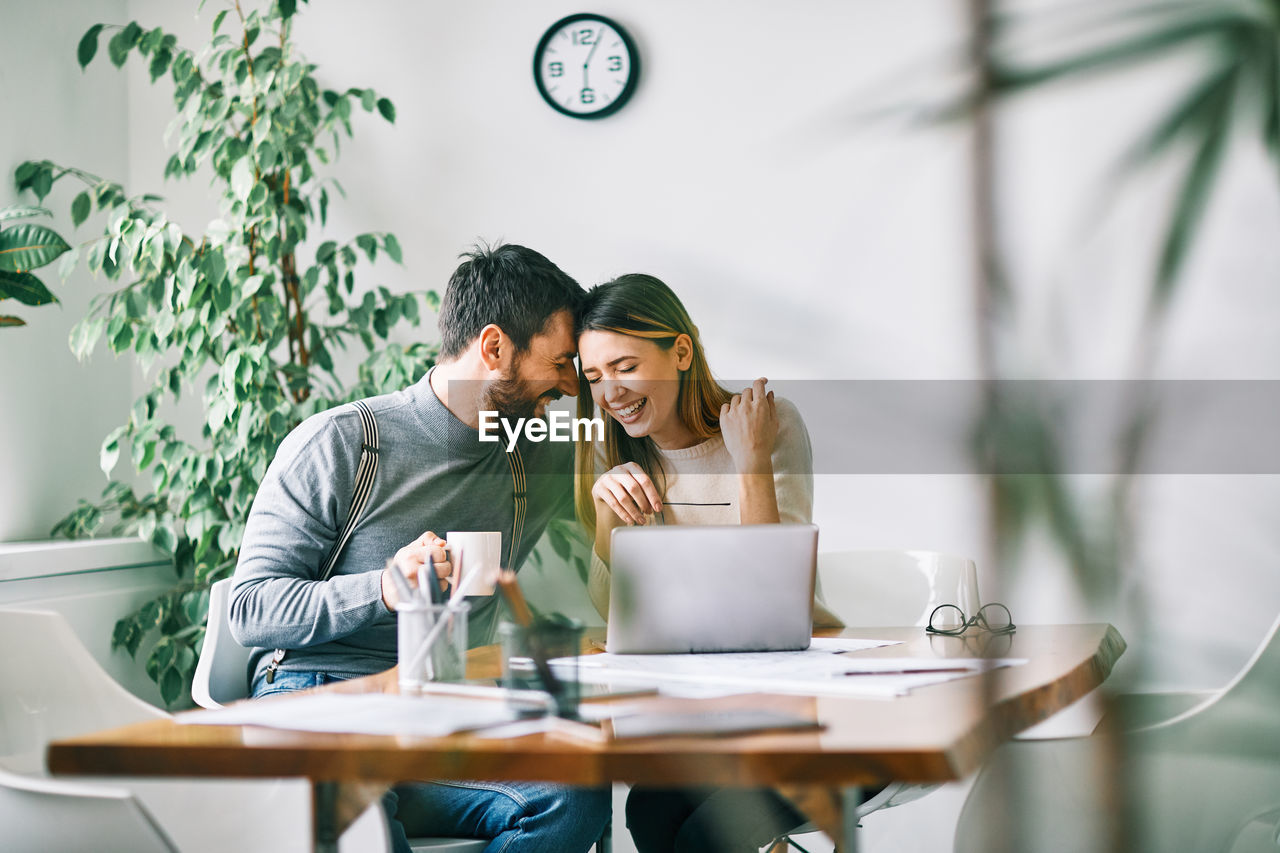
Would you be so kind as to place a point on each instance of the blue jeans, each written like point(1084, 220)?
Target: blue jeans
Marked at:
point(519, 817)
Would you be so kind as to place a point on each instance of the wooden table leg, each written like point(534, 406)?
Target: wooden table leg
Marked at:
point(833, 810)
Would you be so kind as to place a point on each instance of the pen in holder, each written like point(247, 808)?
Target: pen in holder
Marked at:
point(431, 642)
point(529, 645)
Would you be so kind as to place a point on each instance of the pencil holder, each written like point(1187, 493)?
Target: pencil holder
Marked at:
point(431, 642)
point(558, 644)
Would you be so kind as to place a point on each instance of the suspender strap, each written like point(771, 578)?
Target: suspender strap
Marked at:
point(365, 473)
point(521, 496)
point(364, 485)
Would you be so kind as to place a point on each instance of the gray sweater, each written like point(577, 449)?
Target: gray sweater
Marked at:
point(433, 474)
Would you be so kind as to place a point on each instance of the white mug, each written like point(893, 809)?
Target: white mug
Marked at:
point(473, 551)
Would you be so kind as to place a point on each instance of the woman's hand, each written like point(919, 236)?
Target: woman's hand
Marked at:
point(749, 424)
point(628, 492)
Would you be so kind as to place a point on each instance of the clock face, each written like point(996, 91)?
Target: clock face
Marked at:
point(586, 66)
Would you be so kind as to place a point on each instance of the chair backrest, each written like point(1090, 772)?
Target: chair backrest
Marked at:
point(222, 673)
point(1241, 719)
point(888, 588)
point(40, 814)
point(53, 688)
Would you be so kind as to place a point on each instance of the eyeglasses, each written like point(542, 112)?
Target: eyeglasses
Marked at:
point(950, 620)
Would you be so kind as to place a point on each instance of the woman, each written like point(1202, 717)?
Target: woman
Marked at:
point(680, 449)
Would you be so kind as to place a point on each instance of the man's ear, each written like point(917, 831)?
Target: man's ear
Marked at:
point(493, 346)
point(684, 352)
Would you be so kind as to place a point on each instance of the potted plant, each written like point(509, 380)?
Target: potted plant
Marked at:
point(250, 315)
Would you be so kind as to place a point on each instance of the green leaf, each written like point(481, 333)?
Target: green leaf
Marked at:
point(1146, 45)
point(88, 46)
point(160, 64)
point(242, 178)
point(217, 21)
point(85, 336)
point(287, 8)
point(68, 263)
point(387, 109)
point(368, 100)
point(251, 286)
point(172, 684)
point(257, 196)
point(214, 266)
point(8, 320)
point(25, 172)
point(110, 452)
point(80, 208)
point(26, 247)
point(1193, 197)
point(25, 288)
point(392, 245)
point(118, 48)
point(42, 182)
point(1200, 105)
point(22, 212)
point(165, 538)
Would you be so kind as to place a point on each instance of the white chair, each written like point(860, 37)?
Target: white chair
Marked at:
point(222, 672)
point(888, 588)
point(1208, 779)
point(53, 688)
point(222, 676)
point(38, 815)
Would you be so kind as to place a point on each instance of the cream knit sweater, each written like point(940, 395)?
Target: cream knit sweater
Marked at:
point(704, 474)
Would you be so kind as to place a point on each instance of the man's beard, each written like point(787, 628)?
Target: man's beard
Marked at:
point(510, 398)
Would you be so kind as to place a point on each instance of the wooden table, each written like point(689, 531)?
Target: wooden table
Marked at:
point(937, 734)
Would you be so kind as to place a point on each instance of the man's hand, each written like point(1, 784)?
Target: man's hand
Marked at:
point(749, 424)
point(416, 562)
point(628, 492)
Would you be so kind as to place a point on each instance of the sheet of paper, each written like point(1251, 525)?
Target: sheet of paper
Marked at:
point(847, 644)
point(818, 670)
point(363, 713)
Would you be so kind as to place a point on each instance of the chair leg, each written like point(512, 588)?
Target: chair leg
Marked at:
point(604, 844)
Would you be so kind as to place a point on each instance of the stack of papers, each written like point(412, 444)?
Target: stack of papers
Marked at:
point(818, 670)
point(362, 713)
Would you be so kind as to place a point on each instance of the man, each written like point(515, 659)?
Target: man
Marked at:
point(507, 344)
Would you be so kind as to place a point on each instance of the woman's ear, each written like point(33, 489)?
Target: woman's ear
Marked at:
point(684, 352)
point(492, 342)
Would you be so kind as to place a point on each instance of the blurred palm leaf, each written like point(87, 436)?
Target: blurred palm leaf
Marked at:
point(1236, 91)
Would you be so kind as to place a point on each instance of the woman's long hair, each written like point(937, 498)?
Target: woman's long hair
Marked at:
point(641, 306)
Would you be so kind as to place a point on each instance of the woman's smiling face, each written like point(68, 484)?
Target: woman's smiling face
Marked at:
point(637, 383)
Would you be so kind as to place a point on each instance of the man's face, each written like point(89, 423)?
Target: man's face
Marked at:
point(541, 374)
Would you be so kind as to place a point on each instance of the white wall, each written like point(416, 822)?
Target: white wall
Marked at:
point(806, 245)
point(54, 412)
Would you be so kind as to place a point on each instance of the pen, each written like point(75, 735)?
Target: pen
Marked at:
point(695, 503)
point(912, 671)
point(510, 589)
point(397, 579)
point(427, 578)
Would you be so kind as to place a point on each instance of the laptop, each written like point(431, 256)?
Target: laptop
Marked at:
point(732, 588)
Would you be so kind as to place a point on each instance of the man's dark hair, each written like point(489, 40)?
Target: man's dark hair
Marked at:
point(511, 286)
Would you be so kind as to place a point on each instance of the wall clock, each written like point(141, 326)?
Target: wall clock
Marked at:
point(586, 66)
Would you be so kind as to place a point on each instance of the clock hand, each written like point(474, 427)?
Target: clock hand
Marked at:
point(591, 53)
